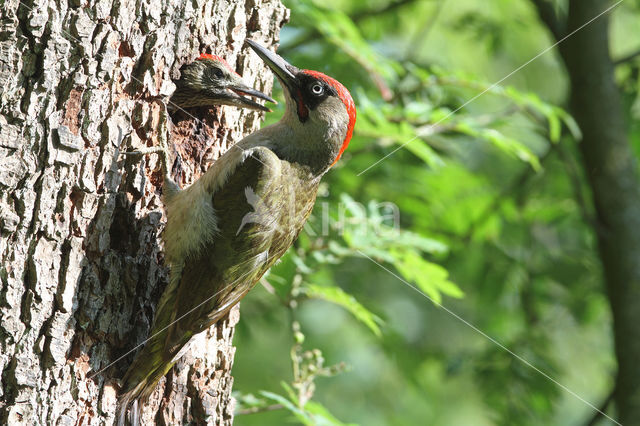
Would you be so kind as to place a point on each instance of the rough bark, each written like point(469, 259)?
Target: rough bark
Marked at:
point(81, 259)
point(611, 169)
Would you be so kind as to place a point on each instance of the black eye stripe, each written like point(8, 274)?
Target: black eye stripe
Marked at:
point(311, 98)
point(216, 72)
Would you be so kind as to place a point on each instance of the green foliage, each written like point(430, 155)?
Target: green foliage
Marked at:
point(339, 297)
point(340, 31)
point(430, 277)
point(478, 203)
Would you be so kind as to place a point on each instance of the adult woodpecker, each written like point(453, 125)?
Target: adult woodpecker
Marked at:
point(231, 225)
point(210, 80)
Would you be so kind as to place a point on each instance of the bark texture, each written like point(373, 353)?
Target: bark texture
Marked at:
point(81, 260)
point(612, 171)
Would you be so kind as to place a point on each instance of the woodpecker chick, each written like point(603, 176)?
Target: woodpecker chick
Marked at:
point(207, 81)
point(228, 228)
point(210, 80)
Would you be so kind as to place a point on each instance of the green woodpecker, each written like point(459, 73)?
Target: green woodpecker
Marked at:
point(210, 80)
point(231, 225)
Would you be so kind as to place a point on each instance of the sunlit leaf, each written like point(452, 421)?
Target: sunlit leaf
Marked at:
point(322, 416)
point(429, 277)
point(339, 297)
point(300, 414)
point(245, 401)
point(504, 143)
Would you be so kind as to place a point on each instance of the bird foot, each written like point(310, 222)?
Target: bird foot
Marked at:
point(162, 151)
point(144, 151)
point(170, 188)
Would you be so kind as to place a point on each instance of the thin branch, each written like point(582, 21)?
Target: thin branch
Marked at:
point(627, 58)
point(519, 182)
point(261, 409)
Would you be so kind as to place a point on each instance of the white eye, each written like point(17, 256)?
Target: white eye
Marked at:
point(317, 89)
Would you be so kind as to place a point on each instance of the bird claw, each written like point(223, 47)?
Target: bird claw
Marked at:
point(150, 150)
point(162, 151)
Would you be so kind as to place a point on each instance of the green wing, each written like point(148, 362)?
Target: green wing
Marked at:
point(260, 210)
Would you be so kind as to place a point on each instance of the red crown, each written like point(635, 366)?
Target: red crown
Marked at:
point(218, 59)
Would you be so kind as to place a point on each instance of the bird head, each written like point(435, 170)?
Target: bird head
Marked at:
point(210, 80)
point(319, 108)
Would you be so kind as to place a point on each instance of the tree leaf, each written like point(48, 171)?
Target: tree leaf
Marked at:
point(340, 297)
point(300, 414)
point(322, 416)
point(429, 277)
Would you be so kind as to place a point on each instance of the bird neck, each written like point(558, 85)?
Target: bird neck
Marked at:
point(312, 144)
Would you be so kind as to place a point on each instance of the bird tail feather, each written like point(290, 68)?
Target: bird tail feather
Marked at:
point(128, 402)
point(138, 387)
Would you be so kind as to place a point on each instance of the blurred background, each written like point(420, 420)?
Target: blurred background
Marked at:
point(489, 212)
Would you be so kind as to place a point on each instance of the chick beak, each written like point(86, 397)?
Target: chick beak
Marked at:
point(240, 90)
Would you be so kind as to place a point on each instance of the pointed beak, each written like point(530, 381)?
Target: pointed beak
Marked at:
point(285, 72)
point(241, 90)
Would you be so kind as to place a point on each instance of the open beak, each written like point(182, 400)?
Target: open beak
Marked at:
point(285, 72)
point(239, 91)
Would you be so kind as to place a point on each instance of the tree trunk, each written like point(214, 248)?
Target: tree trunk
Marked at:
point(81, 259)
point(612, 172)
